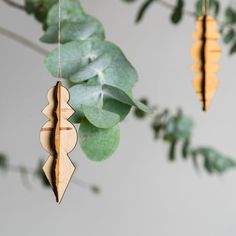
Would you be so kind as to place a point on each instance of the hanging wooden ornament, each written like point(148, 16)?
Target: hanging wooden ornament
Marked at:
point(206, 52)
point(58, 136)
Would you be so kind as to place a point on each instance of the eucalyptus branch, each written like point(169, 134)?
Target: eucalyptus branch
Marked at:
point(14, 4)
point(24, 41)
point(38, 173)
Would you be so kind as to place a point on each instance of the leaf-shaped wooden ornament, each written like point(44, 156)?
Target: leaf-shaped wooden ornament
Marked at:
point(58, 136)
point(206, 52)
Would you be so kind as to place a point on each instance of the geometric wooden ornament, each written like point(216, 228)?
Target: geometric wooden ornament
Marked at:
point(58, 136)
point(206, 53)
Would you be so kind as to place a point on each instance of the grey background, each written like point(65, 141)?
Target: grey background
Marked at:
point(142, 193)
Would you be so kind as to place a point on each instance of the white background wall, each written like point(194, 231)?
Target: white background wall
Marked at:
point(142, 194)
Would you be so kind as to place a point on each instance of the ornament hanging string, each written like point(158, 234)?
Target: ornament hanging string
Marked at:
point(205, 7)
point(59, 74)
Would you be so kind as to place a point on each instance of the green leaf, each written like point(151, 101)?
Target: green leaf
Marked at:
point(41, 175)
point(39, 8)
point(177, 13)
point(215, 162)
point(126, 98)
point(143, 9)
point(215, 5)
point(95, 189)
point(70, 10)
point(84, 60)
point(3, 162)
point(233, 48)
point(87, 28)
point(230, 15)
point(129, 1)
point(100, 118)
point(159, 123)
point(185, 148)
point(198, 8)
point(194, 159)
point(83, 94)
point(208, 166)
point(139, 113)
point(98, 144)
point(91, 95)
point(172, 150)
point(178, 127)
point(112, 105)
point(228, 37)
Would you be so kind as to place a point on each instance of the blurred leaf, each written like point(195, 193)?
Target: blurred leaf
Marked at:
point(233, 48)
point(229, 36)
point(172, 150)
point(143, 9)
point(215, 162)
point(178, 127)
point(215, 5)
point(39, 8)
point(40, 174)
point(95, 189)
point(208, 166)
point(194, 159)
point(185, 148)
point(129, 1)
point(230, 15)
point(139, 113)
point(159, 123)
point(177, 13)
point(3, 162)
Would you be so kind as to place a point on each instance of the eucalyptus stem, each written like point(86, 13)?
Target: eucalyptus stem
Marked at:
point(14, 4)
point(24, 41)
point(23, 170)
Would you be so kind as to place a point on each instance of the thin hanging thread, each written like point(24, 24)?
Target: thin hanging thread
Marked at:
point(59, 74)
point(205, 6)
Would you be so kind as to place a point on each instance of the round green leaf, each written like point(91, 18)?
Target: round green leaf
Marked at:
point(98, 144)
point(70, 10)
point(112, 105)
point(84, 60)
point(100, 118)
point(83, 94)
point(87, 28)
point(124, 97)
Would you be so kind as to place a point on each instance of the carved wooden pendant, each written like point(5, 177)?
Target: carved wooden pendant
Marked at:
point(58, 136)
point(206, 52)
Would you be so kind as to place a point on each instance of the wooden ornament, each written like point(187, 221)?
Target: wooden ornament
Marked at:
point(58, 136)
point(206, 52)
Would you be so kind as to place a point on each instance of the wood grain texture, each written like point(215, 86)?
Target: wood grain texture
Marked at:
point(206, 53)
point(58, 136)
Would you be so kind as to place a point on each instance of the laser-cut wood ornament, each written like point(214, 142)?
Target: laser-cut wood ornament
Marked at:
point(206, 52)
point(58, 136)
